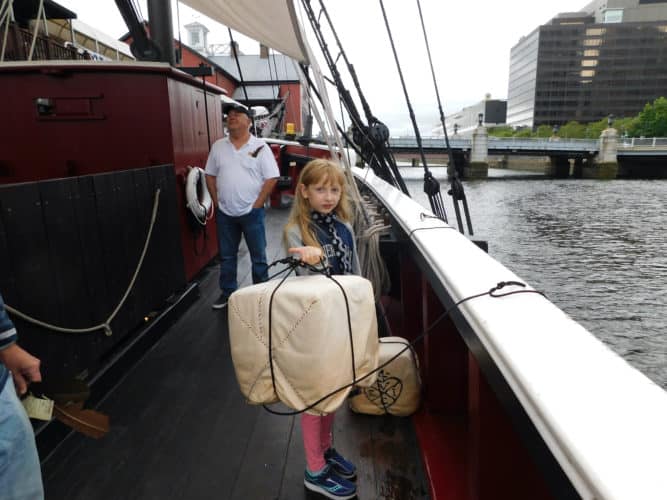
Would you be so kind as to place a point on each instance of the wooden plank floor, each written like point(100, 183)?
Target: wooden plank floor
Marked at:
point(182, 430)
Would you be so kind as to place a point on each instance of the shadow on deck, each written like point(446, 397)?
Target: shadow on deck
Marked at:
point(182, 430)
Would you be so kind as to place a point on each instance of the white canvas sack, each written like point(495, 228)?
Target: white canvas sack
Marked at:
point(311, 348)
point(397, 390)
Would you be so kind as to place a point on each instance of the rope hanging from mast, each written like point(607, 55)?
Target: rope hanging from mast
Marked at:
point(431, 184)
point(235, 53)
point(457, 192)
point(372, 140)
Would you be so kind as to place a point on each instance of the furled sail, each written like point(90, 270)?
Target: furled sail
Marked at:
point(271, 22)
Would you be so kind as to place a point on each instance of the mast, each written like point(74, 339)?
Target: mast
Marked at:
point(161, 29)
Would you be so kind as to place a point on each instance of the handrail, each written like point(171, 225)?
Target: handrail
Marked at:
point(581, 397)
point(46, 48)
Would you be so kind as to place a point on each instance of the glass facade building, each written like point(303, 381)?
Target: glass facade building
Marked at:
point(575, 68)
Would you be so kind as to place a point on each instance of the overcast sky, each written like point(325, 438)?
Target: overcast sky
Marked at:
point(470, 44)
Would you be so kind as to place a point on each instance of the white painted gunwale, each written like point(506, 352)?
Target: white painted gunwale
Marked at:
point(604, 421)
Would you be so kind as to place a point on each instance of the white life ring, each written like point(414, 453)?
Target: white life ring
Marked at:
point(198, 198)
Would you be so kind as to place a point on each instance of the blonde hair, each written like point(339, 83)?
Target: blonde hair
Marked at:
point(316, 172)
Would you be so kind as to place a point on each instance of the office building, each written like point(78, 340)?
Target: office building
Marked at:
point(609, 58)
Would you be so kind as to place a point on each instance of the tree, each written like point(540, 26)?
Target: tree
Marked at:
point(504, 131)
point(625, 126)
point(544, 131)
point(652, 120)
point(594, 129)
point(524, 132)
point(572, 130)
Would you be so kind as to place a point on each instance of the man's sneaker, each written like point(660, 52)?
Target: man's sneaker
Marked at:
point(341, 466)
point(221, 301)
point(330, 484)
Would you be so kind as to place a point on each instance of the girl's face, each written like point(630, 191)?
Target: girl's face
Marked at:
point(322, 197)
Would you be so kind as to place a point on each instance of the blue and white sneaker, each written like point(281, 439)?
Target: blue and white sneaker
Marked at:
point(341, 466)
point(330, 484)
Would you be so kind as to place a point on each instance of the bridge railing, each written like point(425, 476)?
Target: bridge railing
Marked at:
point(651, 142)
point(530, 143)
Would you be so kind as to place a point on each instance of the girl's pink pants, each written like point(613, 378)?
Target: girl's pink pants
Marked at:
point(317, 439)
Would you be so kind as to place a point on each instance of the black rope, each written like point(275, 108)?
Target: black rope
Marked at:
point(372, 139)
point(431, 184)
point(423, 216)
point(208, 130)
point(234, 49)
point(275, 70)
point(391, 174)
point(293, 263)
point(180, 44)
point(457, 193)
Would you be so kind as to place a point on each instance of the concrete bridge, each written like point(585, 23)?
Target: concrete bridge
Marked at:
point(607, 157)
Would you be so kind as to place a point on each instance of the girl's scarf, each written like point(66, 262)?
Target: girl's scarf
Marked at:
point(342, 251)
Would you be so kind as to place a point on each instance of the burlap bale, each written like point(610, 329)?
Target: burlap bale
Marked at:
point(310, 339)
point(397, 390)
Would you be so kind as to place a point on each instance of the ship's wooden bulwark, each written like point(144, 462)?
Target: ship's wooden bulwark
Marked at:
point(70, 248)
point(71, 119)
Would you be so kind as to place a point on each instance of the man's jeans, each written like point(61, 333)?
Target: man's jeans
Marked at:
point(20, 475)
point(230, 230)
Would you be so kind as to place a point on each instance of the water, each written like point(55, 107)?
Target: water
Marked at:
point(596, 248)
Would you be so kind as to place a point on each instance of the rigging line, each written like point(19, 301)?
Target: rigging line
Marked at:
point(208, 129)
point(367, 110)
point(456, 191)
point(385, 174)
point(342, 119)
point(373, 160)
point(344, 93)
point(180, 44)
point(234, 49)
point(275, 70)
point(380, 133)
point(6, 18)
point(40, 12)
point(271, 72)
point(431, 185)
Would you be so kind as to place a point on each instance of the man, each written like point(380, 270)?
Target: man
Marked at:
point(240, 174)
point(20, 474)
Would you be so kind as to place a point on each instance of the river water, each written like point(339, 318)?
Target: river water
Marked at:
point(597, 249)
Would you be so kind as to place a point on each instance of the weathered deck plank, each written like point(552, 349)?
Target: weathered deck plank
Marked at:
point(181, 429)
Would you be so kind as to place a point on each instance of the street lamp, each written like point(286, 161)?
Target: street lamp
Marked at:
point(456, 128)
point(480, 119)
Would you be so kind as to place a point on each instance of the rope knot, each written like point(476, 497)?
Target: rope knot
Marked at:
point(503, 284)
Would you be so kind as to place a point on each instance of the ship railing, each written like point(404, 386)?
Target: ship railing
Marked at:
point(578, 394)
point(19, 41)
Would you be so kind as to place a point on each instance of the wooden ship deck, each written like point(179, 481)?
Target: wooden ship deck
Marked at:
point(182, 430)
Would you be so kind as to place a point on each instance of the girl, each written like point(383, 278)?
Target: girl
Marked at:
point(318, 230)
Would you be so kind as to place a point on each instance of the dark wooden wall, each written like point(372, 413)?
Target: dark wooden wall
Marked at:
point(68, 250)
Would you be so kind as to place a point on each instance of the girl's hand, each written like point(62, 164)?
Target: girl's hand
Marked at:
point(309, 255)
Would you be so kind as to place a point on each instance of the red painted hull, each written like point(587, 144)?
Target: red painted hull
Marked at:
point(107, 118)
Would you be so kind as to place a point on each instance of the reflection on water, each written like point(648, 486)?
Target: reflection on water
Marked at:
point(596, 248)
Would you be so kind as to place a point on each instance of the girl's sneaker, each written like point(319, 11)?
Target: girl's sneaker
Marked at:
point(341, 466)
point(330, 484)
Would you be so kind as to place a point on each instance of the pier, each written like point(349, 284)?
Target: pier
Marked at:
point(608, 157)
